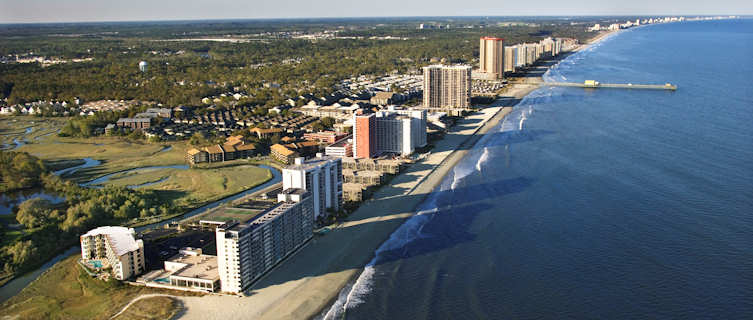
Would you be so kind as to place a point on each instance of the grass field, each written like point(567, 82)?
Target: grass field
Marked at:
point(65, 291)
point(189, 188)
point(151, 308)
point(197, 186)
point(115, 153)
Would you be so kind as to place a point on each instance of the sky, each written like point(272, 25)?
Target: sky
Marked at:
point(30, 11)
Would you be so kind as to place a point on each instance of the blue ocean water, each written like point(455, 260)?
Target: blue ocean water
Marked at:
point(583, 203)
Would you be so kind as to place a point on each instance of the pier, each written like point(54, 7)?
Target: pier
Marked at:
point(596, 84)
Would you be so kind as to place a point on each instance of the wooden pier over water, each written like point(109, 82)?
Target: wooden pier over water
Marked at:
point(596, 84)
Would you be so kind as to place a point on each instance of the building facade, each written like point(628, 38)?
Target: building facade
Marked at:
point(135, 123)
point(340, 149)
point(511, 57)
point(322, 176)
point(447, 86)
point(114, 247)
point(492, 56)
point(192, 270)
point(389, 131)
point(246, 251)
point(282, 153)
point(364, 130)
point(328, 137)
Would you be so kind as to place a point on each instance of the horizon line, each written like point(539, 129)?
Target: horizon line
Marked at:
point(368, 17)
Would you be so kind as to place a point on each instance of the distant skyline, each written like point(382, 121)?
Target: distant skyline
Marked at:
point(31, 11)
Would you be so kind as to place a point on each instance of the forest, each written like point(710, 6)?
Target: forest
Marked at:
point(182, 72)
point(50, 228)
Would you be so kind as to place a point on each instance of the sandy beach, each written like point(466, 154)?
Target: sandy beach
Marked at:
point(601, 36)
point(310, 280)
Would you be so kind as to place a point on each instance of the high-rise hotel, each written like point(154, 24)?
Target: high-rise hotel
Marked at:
point(447, 86)
point(116, 248)
point(322, 176)
point(246, 251)
point(492, 56)
point(393, 131)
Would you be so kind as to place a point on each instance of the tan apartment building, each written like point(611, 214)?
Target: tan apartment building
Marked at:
point(266, 133)
point(364, 177)
point(282, 153)
point(353, 192)
point(511, 56)
point(382, 165)
point(447, 86)
point(491, 56)
point(194, 156)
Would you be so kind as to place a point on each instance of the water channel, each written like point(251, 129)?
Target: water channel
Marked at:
point(16, 285)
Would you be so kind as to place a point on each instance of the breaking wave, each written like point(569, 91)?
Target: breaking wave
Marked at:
point(356, 292)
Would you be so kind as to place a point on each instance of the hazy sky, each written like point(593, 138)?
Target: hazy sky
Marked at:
point(134, 10)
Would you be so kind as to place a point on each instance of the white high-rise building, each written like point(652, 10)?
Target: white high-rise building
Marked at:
point(246, 251)
point(116, 248)
point(322, 176)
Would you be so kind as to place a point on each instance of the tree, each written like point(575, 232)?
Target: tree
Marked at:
point(34, 212)
point(22, 252)
point(197, 139)
point(19, 170)
point(328, 122)
point(317, 126)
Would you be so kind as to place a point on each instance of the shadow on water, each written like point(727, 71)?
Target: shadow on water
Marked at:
point(497, 139)
point(445, 227)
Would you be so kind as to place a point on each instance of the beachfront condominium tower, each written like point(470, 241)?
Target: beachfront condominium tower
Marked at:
point(393, 131)
point(246, 251)
point(491, 54)
point(364, 130)
point(447, 86)
point(115, 248)
point(322, 176)
point(511, 57)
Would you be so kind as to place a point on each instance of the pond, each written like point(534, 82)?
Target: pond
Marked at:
point(96, 182)
point(16, 285)
point(88, 162)
point(10, 200)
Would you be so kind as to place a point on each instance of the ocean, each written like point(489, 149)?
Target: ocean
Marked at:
point(593, 203)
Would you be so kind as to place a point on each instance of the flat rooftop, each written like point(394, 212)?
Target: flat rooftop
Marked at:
point(260, 218)
point(340, 143)
point(197, 266)
point(244, 212)
point(312, 163)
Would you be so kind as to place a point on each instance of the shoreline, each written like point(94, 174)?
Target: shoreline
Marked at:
point(310, 281)
point(428, 183)
point(596, 39)
point(310, 292)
